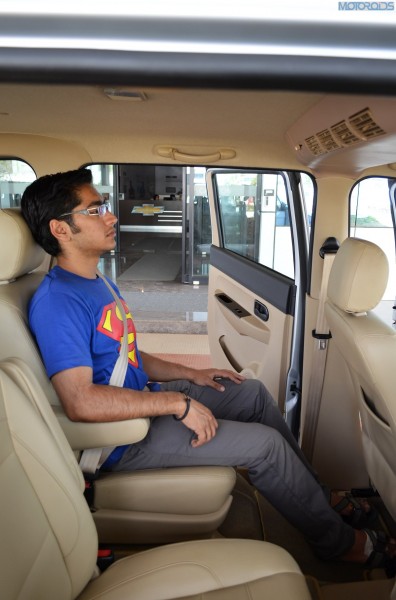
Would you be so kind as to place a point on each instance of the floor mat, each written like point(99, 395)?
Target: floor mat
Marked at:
point(243, 519)
point(279, 531)
point(385, 521)
point(252, 516)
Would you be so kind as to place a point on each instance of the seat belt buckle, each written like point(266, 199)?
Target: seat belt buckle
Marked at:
point(322, 338)
point(105, 558)
point(89, 491)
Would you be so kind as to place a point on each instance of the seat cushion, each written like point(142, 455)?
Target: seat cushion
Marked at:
point(184, 490)
point(162, 505)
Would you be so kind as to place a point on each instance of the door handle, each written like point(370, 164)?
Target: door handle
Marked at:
point(261, 311)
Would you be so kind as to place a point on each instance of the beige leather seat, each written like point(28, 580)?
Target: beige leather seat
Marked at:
point(48, 538)
point(356, 285)
point(148, 506)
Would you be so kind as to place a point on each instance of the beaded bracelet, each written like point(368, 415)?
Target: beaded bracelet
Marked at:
point(184, 415)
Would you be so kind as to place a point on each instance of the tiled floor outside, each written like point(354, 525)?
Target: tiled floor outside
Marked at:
point(166, 307)
point(186, 349)
point(157, 304)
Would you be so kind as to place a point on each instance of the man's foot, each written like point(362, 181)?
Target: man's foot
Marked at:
point(357, 512)
point(373, 549)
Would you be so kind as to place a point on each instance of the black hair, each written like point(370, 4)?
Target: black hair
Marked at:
point(48, 198)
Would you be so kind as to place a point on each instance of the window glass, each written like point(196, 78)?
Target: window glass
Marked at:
point(164, 201)
point(15, 176)
point(371, 219)
point(255, 218)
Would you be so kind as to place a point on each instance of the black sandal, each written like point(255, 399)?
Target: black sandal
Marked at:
point(379, 558)
point(358, 518)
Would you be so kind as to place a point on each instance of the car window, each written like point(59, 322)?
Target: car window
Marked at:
point(15, 176)
point(254, 206)
point(255, 218)
point(160, 201)
point(371, 219)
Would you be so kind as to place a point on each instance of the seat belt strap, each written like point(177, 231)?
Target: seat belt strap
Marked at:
point(93, 458)
point(120, 368)
point(321, 335)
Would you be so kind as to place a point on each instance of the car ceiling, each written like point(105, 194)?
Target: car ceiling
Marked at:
point(263, 127)
point(224, 115)
point(260, 90)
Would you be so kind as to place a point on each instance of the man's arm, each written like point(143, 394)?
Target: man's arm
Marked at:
point(85, 401)
point(162, 370)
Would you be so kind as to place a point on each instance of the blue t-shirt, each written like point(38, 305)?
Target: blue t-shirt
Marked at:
point(76, 323)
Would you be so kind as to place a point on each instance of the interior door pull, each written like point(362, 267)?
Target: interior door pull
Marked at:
point(261, 311)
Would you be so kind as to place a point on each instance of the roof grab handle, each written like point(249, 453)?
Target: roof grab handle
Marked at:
point(175, 154)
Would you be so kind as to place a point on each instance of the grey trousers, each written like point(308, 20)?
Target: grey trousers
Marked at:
point(252, 434)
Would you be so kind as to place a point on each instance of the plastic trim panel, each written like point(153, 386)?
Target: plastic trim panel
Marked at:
point(274, 288)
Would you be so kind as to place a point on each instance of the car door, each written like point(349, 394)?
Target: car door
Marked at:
point(257, 277)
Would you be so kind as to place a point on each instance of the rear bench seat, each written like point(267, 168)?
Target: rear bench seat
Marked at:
point(153, 506)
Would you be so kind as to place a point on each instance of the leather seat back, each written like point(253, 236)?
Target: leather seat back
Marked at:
point(356, 285)
point(48, 539)
point(48, 542)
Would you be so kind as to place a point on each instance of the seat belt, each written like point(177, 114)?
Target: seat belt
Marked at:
point(93, 458)
point(321, 335)
point(120, 368)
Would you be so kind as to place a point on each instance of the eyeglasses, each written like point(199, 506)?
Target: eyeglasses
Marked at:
point(95, 211)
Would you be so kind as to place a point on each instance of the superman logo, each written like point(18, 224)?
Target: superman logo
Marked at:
point(111, 324)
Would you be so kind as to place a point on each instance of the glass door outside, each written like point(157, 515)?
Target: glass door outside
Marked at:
point(194, 223)
point(197, 232)
point(105, 179)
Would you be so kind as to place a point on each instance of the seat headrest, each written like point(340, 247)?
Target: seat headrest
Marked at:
point(358, 277)
point(20, 254)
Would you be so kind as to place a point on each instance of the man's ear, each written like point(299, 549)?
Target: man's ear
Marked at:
point(60, 230)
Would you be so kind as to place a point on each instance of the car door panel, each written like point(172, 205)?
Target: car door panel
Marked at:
point(257, 279)
point(239, 338)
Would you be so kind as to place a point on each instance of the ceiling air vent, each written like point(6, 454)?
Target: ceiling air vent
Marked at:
point(314, 145)
point(364, 123)
point(327, 141)
point(344, 134)
point(357, 128)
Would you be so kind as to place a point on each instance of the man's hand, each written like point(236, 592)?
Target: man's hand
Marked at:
point(163, 370)
point(200, 420)
point(208, 377)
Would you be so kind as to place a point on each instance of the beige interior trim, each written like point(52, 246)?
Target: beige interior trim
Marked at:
point(184, 156)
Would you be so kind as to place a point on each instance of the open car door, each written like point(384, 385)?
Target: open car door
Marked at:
point(257, 277)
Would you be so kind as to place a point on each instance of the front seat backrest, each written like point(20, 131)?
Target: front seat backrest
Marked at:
point(356, 285)
point(48, 539)
point(48, 542)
